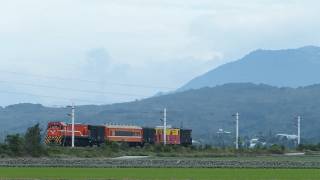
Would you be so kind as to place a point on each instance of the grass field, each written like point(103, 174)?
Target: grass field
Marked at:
point(159, 173)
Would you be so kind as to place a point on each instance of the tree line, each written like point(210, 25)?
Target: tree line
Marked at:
point(28, 144)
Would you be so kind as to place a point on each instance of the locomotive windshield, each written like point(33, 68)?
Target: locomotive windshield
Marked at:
point(54, 125)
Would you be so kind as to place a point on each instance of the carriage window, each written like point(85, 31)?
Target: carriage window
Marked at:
point(126, 133)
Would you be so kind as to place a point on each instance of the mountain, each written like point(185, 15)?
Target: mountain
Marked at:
point(263, 109)
point(282, 68)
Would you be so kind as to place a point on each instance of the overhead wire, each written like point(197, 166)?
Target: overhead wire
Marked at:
point(88, 81)
point(53, 97)
point(71, 89)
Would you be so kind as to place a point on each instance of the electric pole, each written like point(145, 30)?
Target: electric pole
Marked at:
point(165, 126)
point(299, 119)
point(237, 130)
point(72, 128)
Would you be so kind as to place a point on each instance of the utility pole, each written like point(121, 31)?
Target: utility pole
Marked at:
point(237, 130)
point(72, 119)
point(164, 126)
point(299, 119)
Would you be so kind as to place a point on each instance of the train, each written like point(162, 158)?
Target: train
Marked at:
point(60, 133)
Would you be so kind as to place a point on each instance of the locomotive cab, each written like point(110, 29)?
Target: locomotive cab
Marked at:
point(54, 132)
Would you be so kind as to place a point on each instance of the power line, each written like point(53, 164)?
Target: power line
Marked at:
point(71, 89)
point(87, 81)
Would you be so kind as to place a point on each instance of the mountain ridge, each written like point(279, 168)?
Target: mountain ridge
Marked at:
point(281, 68)
point(263, 108)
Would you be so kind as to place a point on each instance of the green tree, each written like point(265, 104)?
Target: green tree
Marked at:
point(33, 141)
point(15, 144)
point(3, 148)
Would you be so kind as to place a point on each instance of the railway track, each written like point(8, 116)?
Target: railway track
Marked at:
point(162, 162)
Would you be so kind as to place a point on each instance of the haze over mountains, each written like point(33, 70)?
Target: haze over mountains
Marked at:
point(263, 108)
point(282, 68)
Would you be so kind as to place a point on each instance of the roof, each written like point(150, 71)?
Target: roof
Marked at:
point(122, 126)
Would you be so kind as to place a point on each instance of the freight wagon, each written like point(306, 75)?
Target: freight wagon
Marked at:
point(172, 136)
point(185, 136)
point(60, 133)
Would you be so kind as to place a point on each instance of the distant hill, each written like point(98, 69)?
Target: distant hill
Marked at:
point(282, 68)
point(262, 108)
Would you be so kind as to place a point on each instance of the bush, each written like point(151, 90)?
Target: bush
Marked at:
point(148, 147)
point(115, 147)
point(310, 147)
point(15, 145)
point(276, 149)
point(3, 149)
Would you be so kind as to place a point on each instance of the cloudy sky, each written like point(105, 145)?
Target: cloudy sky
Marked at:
point(107, 51)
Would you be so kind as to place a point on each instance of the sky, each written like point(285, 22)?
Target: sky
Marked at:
point(56, 52)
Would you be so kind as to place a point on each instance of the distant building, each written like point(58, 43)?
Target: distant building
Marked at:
point(221, 131)
point(287, 136)
point(255, 142)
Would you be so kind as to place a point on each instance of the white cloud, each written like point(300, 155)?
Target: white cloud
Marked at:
point(184, 37)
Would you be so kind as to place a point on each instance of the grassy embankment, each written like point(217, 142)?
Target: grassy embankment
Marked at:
point(115, 150)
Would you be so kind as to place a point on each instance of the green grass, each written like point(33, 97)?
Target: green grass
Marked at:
point(159, 173)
